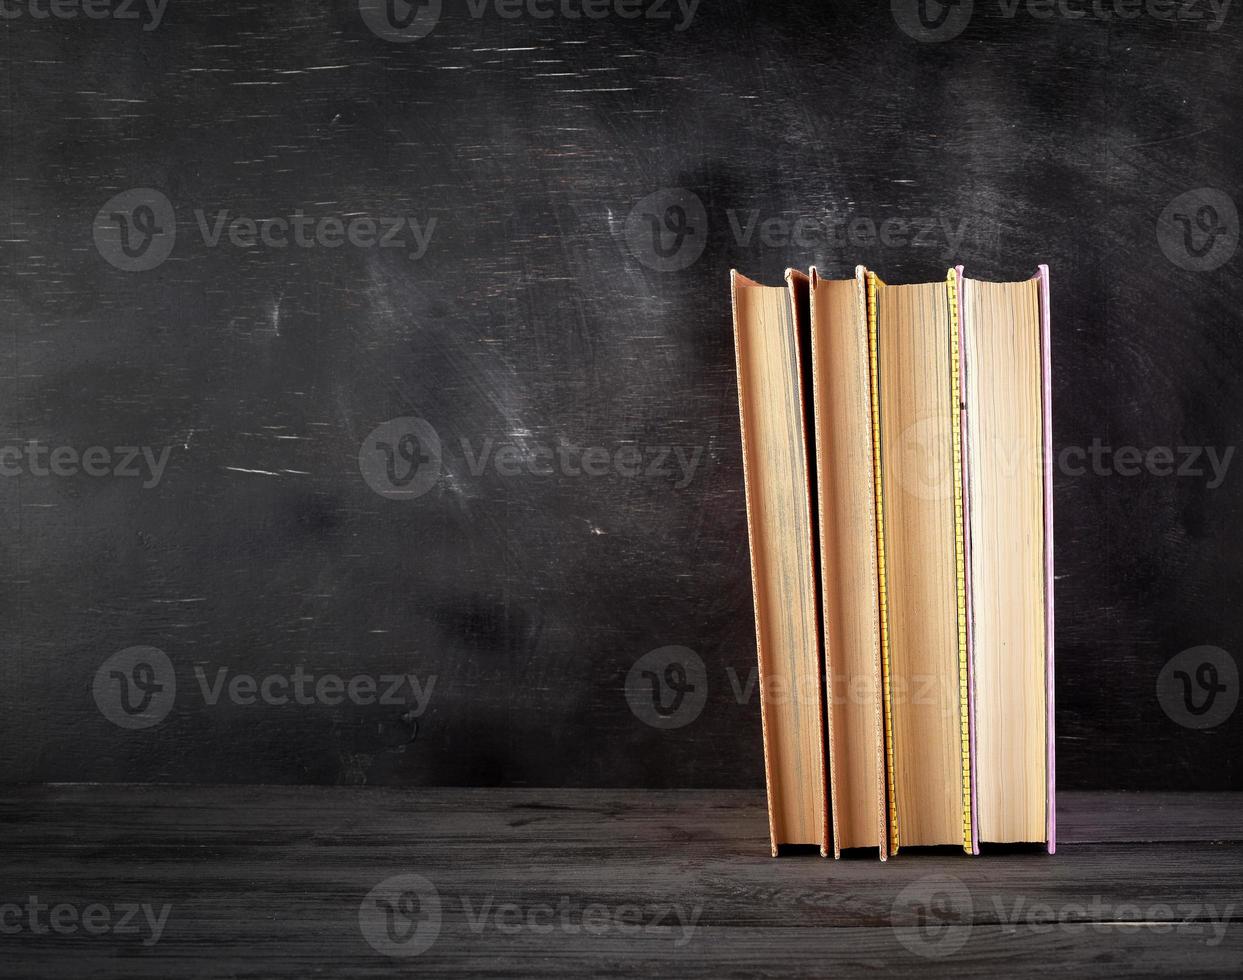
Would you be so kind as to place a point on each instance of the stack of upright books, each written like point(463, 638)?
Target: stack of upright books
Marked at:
point(896, 449)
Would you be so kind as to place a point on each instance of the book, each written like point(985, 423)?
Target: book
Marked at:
point(897, 447)
point(1005, 332)
point(846, 456)
point(921, 509)
point(768, 321)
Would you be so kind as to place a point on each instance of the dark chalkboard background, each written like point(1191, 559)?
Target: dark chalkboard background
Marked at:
point(521, 586)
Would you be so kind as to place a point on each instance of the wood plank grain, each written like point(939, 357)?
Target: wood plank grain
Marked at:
point(44, 814)
point(324, 951)
point(270, 882)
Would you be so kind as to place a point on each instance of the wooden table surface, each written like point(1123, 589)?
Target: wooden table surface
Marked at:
point(159, 881)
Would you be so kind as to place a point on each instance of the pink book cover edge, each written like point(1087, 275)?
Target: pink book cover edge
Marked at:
point(1047, 392)
point(1042, 277)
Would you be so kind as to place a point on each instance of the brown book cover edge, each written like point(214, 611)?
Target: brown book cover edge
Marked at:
point(830, 747)
point(734, 277)
point(799, 284)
